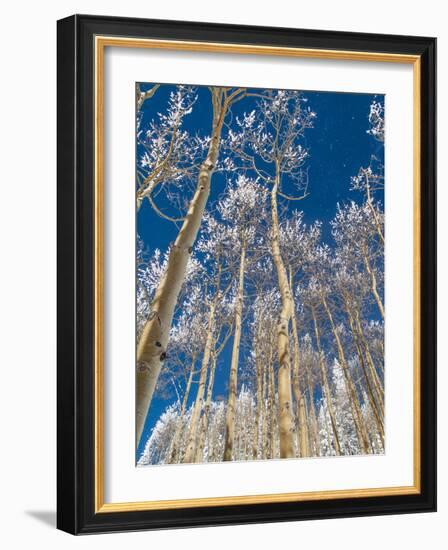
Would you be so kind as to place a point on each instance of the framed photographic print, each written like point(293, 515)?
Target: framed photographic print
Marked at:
point(246, 267)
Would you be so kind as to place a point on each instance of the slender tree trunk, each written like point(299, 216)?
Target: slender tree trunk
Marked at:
point(174, 451)
point(377, 413)
point(238, 444)
point(376, 391)
point(379, 388)
point(265, 399)
point(327, 431)
point(205, 417)
point(302, 428)
point(271, 409)
point(358, 380)
point(314, 426)
point(151, 349)
point(373, 284)
point(190, 451)
point(233, 380)
point(307, 413)
point(212, 442)
point(257, 421)
point(363, 437)
point(326, 385)
point(286, 423)
point(374, 213)
point(245, 436)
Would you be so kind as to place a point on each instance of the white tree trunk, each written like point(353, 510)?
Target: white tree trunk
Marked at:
point(190, 451)
point(233, 380)
point(373, 284)
point(174, 450)
point(314, 425)
point(379, 388)
point(286, 423)
point(374, 213)
point(151, 349)
point(256, 437)
point(361, 430)
point(337, 446)
point(302, 428)
point(205, 417)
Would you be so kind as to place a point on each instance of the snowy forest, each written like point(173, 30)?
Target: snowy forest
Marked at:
point(260, 274)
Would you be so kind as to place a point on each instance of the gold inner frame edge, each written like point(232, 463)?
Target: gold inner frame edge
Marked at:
point(101, 42)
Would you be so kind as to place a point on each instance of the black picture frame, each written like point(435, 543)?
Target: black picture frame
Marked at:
point(76, 263)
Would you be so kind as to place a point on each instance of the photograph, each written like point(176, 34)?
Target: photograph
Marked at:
point(246, 245)
point(259, 257)
point(222, 262)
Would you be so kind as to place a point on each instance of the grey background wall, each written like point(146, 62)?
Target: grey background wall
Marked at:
point(27, 271)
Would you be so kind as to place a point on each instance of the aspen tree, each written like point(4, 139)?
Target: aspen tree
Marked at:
point(303, 436)
point(190, 452)
point(326, 385)
point(379, 387)
point(353, 229)
point(205, 417)
point(174, 451)
point(212, 244)
point(377, 410)
point(151, 349)
point(230, 418)
point(351, 288)
point(297, 241)
point(204, 426)
point(259, 378)
point(371, 179)
point(269, 145)
point(243, 209)
point(357, 250)
point(356, 409)
point(323, 268)
point(309, 358)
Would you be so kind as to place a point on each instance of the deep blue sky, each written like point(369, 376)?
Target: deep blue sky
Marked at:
point(338, 144)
